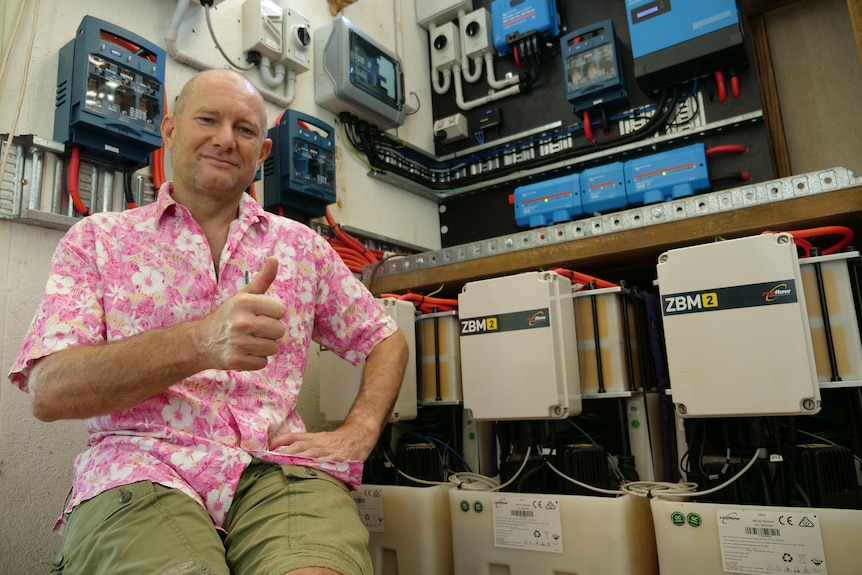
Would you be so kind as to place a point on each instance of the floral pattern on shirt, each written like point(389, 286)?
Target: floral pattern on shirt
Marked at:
point(116, 275)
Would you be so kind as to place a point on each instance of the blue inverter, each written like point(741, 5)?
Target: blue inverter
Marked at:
point(603, 189)
point(679, 40)
point(110, 94)
point(667, 176)
point(548, 202)
point(512, 20)
point(299, 174)
point(592, 67)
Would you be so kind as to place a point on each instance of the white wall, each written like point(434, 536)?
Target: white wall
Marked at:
point(36, 458)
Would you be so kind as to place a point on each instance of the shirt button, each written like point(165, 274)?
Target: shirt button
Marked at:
point(311, 472)
point(125, 496)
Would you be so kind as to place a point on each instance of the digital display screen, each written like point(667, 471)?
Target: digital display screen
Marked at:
point(650, 10)
point(591, 67)
point(373, 72)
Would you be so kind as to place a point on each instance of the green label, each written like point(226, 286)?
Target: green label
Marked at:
point(677, 518)
point(465, 506)
point(477, 506)
point(694, 519)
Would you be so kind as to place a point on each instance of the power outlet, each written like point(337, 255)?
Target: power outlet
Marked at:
point(445, 46)
point(477, 32)
point(450, 129)
point(297, 42)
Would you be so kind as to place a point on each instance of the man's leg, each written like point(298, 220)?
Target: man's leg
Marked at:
point(141, 528)
point(289, 519)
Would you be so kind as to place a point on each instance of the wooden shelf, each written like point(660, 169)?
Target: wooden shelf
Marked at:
point(642, 246)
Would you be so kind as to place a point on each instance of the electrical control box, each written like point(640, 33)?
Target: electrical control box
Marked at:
point(109, 100)
point(674, 41)
point(478, 32)
point(592, 67)
point(518, 357)
point(299, 174)
point(667, 175)
point(603, 188)
point(340, 380)
point(297, 42)
point(262, 28)
point(445, 46)
point(517, 19)
point(548, 202)
point(736, 329)
point(355, 74)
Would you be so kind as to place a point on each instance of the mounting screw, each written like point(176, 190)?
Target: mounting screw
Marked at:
point(783, 239)
point(681, 408)
point(662, 259)
point(809, 404)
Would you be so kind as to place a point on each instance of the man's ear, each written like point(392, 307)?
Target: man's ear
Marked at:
point(168, 126)
point(264, 151)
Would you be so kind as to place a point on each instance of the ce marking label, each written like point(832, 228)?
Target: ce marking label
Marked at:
point(786, 520)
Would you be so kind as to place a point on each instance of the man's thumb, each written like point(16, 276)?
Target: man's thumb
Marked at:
point(264, 278)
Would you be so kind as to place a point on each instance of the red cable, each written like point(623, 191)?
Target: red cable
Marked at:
point(588, 127)
point(845, 233)
point(127, 45)
point(735, 89)
point(74, 166)
point(727, 149)
point(582, 278)
point(517, 57)
point(722, 88)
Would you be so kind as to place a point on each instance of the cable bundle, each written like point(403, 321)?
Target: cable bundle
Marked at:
point(426, 304)
point(354, 254)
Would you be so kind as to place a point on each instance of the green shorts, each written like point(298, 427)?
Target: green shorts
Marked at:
point(282, 518)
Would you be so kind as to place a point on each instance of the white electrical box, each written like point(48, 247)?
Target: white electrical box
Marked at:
point(297, 42)
point(262, 22)
point(478, 35)
point(736, 329)
point(445, 46)
point(450, 129)
point(340, 379)
point(518, 351)
point(431, 13)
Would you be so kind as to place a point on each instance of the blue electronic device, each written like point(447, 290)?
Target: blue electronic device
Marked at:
point(110, 94)
point(548, 202)
point(299, 174)
point(679, 40)
point(592, 67)
point(513, 20)
point(667, 175)
point(603, 188)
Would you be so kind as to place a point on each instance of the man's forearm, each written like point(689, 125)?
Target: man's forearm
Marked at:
point(90, 380)
point(381, 382)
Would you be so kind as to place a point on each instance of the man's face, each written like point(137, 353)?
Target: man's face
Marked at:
point(218, 137)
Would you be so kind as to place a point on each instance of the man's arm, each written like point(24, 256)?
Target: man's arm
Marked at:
point(357, 436)
point(89, 380)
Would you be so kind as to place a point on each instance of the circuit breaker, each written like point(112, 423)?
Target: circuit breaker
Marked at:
point(109, 99)
point(518, 351)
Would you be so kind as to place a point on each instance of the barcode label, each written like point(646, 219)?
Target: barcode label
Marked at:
point(521, 513)
point(762, 531)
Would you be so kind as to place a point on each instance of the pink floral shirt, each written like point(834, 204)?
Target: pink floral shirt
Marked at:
point(117, 275)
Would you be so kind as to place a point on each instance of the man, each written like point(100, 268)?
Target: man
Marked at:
point(180, 330)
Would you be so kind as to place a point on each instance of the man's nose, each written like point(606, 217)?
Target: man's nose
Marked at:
point(224, 137)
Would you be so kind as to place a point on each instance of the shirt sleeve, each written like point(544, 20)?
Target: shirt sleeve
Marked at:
point(70, 312)
point(348, 320)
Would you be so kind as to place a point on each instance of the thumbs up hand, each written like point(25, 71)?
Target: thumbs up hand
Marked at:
point(244, 331)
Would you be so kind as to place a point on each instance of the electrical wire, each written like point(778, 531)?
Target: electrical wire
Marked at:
point(217, 45)
point(650, 489)
point(475, 482)
point(74, 169)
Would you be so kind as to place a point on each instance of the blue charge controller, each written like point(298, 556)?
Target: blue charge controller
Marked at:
point(603, 188)
point(667, 176)
point(549, 202)
point(515, 19)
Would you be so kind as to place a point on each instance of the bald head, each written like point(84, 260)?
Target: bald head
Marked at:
point(199, 84)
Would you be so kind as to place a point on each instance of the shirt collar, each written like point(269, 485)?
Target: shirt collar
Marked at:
point(250, 212)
